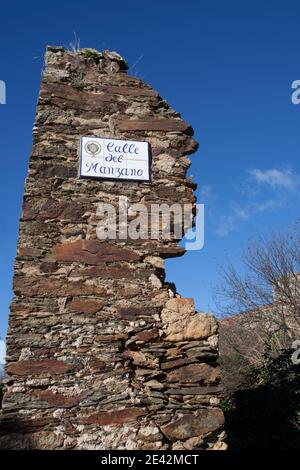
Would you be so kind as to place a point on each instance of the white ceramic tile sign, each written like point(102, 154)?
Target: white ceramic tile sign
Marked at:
point(114, 159)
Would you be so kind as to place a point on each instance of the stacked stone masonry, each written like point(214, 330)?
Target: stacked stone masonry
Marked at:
point(102, 352)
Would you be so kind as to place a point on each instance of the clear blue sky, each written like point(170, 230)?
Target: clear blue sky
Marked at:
point(226, 66)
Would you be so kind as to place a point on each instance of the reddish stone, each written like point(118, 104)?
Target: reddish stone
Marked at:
point(58, 399)
point(112, 272)
point(85, 306)
point(193, 373)
point(152, 124)
point(53, 209)
point(66, 96)
point(47, 366)
point(202, 422)
point(46, 286)
point(92, 252)
point(146, 335)
point(115, 417)
point(27, 251)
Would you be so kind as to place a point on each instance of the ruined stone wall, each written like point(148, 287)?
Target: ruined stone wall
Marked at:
point(102, 353)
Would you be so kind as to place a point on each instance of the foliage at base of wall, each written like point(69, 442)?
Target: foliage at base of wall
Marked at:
point(264, 412)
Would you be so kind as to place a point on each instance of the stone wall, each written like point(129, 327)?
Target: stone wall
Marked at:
point(102, 352)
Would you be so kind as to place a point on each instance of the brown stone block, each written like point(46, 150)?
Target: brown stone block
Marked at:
point(146, 335)
point(66, 96)
point(92, 252)
point(112, 272)
point(177, 362)
point(53, 209)
point(37, 286)
point(97, 364)
point(153, 124)
point(115, 417)
point(44, 367)
point(138, 358)
point(201, 422)
point(26, 251)
point(193, 373)
point(58, 399)
point(85, 306)
point(199, 390)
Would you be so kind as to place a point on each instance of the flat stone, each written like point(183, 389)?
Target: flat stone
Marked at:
point(26, 251)
point(115, 417)
point(199, 423)
point(152, 124)
point(43, 367)
point(133, 313)
point(97, 364)
point(46, 286)
point(58, 399)
point(129, 91)
point(53, 209)
point(66, 96)
point(145, 336)
point(176, 363)
point(92, 252)
point(192, 373)
point(85, 306)
point(194, 390)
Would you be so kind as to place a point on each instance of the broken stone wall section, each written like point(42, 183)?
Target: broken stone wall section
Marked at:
point(102, 352)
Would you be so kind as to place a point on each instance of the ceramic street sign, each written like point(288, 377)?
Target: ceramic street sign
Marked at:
point(114, 159)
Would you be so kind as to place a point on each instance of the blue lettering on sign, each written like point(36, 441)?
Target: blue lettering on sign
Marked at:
point(114, 158)
point(96, 169)
point(91, 166)
point(131, 149)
